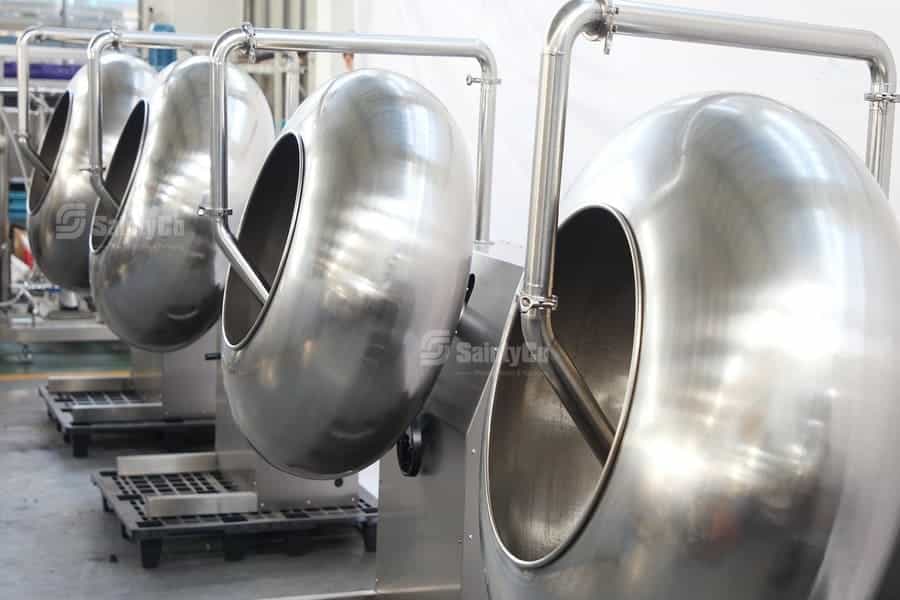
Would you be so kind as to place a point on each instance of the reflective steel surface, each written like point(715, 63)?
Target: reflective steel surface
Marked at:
point(755, 452)
point(361, 225)
point(422, 519)
point(156, 273)
point(60, 207)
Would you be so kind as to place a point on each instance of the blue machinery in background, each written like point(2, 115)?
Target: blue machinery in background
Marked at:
point(18, 210)
point(160, 58)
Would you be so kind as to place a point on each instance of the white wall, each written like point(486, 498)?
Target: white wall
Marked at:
point(609, 91)
point(334, 16)
point(193, 16)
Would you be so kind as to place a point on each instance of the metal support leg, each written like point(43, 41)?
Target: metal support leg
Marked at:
point(151, 553)
point(80, 443)
point(370, 536)
point(234, 547)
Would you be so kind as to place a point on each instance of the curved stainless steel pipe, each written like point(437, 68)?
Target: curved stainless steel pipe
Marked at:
point(536, 300)
point(287, 40)
point(218, 209)
point(95, 49)
point(603, 19)
point(23, 75)
point(682, 25)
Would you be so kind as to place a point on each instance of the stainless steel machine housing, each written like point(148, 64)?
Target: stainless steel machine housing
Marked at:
point(725, 267)
point(361, 226)
point(156, 273)
point(428, 530)
point(60, 206)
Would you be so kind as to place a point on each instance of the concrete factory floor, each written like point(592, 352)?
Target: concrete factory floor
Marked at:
point(58, 359)
point(56, 541)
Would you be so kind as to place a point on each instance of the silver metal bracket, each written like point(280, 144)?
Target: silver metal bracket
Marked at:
point(471, 80)
point(882, 97)
point(92, 170)
point(529, 302)
point(611, 29)
point(116, 45)
point(606, 30)
point(206, 211)
point(250, 32)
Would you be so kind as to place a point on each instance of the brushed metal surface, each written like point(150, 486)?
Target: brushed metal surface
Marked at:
point(360, 595)
point(201, 504)
point(430, 593)
point(423, 531)
point(57, 384)
point(29, 329)
point(754, 462)
point(276, 489)
point(120, 413)
point(60, 207)
point(361, 224)
point(158, 464)
point(474, 582)
point(156, 274)
point(249, 38)
point(182, 380)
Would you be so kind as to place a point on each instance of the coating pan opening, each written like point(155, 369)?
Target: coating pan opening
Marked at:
point(543, 478)
point(118, 176)
point(50, 146)
point(264, 236)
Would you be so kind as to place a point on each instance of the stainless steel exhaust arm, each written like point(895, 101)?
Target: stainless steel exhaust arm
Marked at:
point(98, 44)
point(649, 21)
point(23, 68)
point(601, 20)
point(250, 39)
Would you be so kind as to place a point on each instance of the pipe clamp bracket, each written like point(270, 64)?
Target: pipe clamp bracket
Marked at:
point(605, 29)
point(250, 32)
point(117, 38)
point(882, 97)
point(529, 302)
point(216, 213)
point(471, 80)
point(23, 139)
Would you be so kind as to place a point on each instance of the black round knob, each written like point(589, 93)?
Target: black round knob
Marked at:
point(410, 448)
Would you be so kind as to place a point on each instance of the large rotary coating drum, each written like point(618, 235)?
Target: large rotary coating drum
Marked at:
point(156, 272)
point(60, 206)
point(727, 273)
point(361, 226)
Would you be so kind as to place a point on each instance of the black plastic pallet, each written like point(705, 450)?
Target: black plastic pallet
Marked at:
point(125, 496)
point(80, 435)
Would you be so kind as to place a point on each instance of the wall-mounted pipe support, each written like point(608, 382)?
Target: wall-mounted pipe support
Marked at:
point(23, 76)
point(599, 19)
point(97, 45)
point(286, 40)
